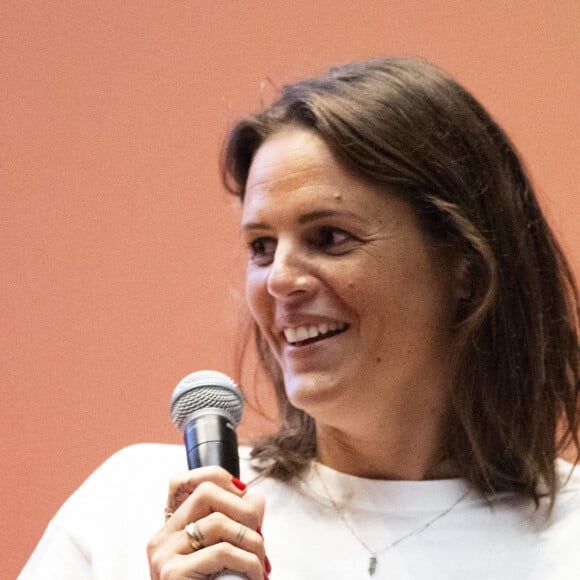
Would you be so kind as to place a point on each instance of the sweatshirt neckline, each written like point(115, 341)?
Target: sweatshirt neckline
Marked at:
point(319, 481)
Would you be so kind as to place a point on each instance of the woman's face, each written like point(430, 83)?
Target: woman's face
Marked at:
point(354, 303)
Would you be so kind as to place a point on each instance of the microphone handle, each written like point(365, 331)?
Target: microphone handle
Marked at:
point(210, 439)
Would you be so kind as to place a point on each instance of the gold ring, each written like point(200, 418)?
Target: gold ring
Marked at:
point(195, 536)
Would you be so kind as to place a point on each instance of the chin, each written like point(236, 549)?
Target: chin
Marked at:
point(308, 392)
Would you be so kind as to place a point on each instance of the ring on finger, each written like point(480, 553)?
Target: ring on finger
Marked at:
point(241, 534)
point(195, 536)
point(227, 571)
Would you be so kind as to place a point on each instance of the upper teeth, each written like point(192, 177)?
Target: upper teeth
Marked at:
point(301, 333)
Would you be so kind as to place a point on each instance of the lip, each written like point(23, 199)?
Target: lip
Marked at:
point(312, 355)
point(309, 333)
point(299, 330)
point(295, 320)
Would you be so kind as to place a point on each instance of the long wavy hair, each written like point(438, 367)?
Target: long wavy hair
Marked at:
point(406, 125)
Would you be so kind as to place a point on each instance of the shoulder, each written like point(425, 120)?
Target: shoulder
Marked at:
point(105, 524)
point(153, 456)
point(569, 476)
point(568, 473)
point(565, 515)
point(161, 461)
point(144, 460)
point(139, 472)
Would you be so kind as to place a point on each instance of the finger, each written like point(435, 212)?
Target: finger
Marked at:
point(167, 548)
point(208, 498)
point(182, 485)
point(204, 563)
point(217, 528)
point(258, 503)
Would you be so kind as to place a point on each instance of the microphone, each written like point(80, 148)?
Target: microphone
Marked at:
point(207, 406)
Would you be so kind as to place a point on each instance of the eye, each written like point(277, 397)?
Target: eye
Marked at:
point(262, 251)
point(333, 240)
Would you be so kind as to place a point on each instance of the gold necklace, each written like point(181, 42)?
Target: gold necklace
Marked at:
point(374, 554)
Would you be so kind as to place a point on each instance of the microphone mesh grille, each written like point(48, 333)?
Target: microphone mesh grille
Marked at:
point(205, 390)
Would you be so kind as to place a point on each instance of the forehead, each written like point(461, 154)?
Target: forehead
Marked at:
point(296, 165)
point(288, 158)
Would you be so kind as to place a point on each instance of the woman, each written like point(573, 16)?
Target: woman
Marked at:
point(420, 326)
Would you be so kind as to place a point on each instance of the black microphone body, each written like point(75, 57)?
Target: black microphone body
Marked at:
point(210, 439)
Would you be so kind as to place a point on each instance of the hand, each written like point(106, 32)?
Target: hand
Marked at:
point(226, 528)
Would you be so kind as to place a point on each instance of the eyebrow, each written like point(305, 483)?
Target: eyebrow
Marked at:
point(309, 217)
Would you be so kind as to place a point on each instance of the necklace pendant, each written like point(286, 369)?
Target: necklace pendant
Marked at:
point(372, 565)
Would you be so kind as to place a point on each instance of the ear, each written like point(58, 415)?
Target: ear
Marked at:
point(463, 279)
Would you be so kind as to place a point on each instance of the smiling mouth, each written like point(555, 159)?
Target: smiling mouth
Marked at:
point(302, 335)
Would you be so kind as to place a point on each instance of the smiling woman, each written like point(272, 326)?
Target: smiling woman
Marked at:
point(419, 324)
point(330, 251)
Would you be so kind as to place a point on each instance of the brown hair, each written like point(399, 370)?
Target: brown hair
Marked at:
point(406, 125)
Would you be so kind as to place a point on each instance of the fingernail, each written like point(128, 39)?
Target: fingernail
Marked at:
point(266, 577)
point(259, 530)
point(267, 565)
point(239, 484)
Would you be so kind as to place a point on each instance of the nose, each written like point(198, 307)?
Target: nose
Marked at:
point(291, 274)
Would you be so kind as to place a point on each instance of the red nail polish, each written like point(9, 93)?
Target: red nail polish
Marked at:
point(239, 484)
point(266, 577)
point(259, 530)
point(267, 565)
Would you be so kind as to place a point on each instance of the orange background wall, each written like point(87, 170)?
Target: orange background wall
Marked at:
point(119, 249)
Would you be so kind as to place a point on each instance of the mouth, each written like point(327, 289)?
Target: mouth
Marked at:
point(302, 335)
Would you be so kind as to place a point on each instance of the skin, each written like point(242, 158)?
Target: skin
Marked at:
point(328, 247)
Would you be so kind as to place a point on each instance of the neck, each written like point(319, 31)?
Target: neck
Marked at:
point(390, 454)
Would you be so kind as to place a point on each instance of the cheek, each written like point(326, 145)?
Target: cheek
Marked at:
point(257, 295)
